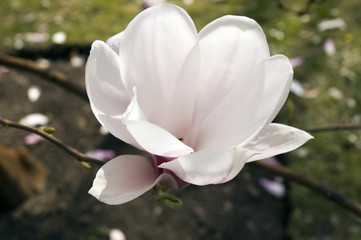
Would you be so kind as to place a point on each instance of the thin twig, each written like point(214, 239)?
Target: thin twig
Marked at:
point(333, 128)
point(312, 184)
point(73, 152)
point(284, 172)
point(54, 76)
point(61, 80)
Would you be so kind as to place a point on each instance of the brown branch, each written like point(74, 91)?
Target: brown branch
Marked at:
point(73, 152)
point(284, 172)
point(312, 184)
point(333, 128)
point(53, 76)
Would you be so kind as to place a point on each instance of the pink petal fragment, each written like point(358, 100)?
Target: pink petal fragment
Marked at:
point(210, 166)
point(125, 178)
point(32, 138)
point(276, 139)
point(102, 154)
point(275, 188)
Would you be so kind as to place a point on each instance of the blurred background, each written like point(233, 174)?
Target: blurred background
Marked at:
point(322, 40)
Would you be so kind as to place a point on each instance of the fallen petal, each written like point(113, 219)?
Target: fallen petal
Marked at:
point(102, 154)
point(275, 188)
point(59, 37)
point(32, 138)
point(34, 93)
point(34, 119)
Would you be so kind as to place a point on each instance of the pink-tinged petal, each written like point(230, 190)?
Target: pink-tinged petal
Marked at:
point(229, 47)
point(101, 154)
point(276, 139)
point(153, 50)
point(251, 104)
point(125, 178)
point(115, 42)
point(104, 82)
point(278, 80)
point(232, 50)
point(156, 140)
point(181, 105)
point(231, 120)
point(32, 138)
point(210, 166)
point(150, 137)
point(134, 112)
point(108, 98)
point(278, 74)
point(275, 188)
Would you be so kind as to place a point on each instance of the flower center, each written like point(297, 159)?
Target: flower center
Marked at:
point(157, 160)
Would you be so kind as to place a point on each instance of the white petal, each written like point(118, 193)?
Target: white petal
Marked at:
point(278, 80)
point(104, 82)
point(231, 50)
point(124, 178)
point(229, 46)
point(231, 120)
point(34, 93)
point(115, 42)
point(276, 139)
point(108, 98)
point(153, 50)
point(251, 103)
point(278, 74)
point(34, 119)
point(210, 166)
point(150, 137)
point(156, 140)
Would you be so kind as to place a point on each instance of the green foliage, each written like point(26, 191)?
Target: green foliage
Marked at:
point(49, 130)
point(164, 196)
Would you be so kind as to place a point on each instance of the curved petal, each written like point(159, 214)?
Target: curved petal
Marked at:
point(106, 92)
point(277, 84)
point(276, 139)
point(115, 42)
point(151, 137)
point(249, 106)
point(156, 140)
point(231, 120)
point(210, 166)
point(229, 47)
point(278, 80)
point(125, 178)
point(154, 47)
point(103, 80)
point(231, 50)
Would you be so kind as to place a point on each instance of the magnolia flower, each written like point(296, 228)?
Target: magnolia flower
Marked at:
point(200, 105)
